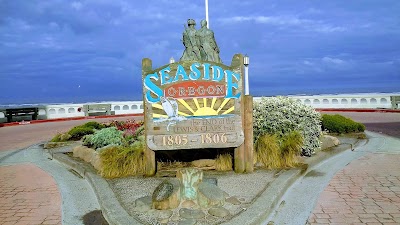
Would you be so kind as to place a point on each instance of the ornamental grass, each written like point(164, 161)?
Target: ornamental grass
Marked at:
point(121, 161)
point(223, 162)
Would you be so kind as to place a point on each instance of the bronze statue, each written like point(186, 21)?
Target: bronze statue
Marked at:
point(200, 44)
point(191, 42)
point(208, 46)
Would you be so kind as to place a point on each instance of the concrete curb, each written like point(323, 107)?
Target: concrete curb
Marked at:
point(264, 204)
point(113, 212)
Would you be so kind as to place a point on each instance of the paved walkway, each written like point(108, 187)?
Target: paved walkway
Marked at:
point(367, 191)
point(28, 195)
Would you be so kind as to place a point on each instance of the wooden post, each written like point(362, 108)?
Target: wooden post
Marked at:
point(239, 155)
point(149, 155)
point(248, 133)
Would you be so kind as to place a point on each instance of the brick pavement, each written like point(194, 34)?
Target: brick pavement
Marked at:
point(28, 196)
point(367, 191)
point(22, 136)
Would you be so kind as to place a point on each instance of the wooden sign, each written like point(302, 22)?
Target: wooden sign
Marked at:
point(191, 105)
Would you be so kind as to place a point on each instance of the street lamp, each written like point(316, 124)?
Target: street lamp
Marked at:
point(171, 60)
point(246, 61)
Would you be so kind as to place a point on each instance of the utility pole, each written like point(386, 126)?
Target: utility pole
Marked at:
point(208, 22)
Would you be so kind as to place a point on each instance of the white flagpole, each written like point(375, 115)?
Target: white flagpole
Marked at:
point(208, 22)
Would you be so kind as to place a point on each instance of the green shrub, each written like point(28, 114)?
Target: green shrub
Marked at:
point(120, 161)
point(94, 125)
point(104, 137)
point(78, 132)
point(282, 115)
point(340, 124)
point(56, 138)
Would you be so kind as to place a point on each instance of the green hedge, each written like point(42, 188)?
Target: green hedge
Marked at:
point(340, 124)
point(78, 132)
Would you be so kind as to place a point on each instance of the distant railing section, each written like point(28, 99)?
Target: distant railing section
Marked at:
point(350, 101)
point(341, 101)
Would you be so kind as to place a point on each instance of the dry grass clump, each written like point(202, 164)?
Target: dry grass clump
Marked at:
point(291, 148)
point(267, 151)
point(169, 165)
point(120, 161)
point(223, 162)
point(274, 152)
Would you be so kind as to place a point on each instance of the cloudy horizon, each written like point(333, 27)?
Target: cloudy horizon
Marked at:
point(91, 50)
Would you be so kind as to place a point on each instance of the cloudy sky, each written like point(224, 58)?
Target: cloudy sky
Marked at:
point(91, 50)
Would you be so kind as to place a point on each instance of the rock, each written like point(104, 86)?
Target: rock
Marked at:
point(163, 214)
point(187, 222)
point(233, 200)
point(146, 200)
point(191, 213)
point(210, 195)
point(211, 180)
point(166, 195)
point(203, 163)
point(218, 212)
point(96, 161)
point(187, 204)
point(49, 145)
point(84, 153)
point(329, 141)
point(164, 221)
point(142, 208)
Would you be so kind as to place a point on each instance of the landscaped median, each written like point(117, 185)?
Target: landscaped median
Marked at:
point(110, 156)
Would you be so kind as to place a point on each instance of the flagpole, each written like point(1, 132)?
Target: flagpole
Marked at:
point(208, 22)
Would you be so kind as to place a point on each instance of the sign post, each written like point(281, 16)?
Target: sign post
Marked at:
point(193, 105)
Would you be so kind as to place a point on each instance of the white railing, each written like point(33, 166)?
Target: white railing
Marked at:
point(342, 101)
point(346, 101)
point(76, 110)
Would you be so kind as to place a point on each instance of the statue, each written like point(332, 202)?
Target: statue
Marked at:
point(208, 46)
point(200, 44)
point(191, 42)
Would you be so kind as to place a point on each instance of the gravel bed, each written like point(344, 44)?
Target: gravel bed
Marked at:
point(244, 187)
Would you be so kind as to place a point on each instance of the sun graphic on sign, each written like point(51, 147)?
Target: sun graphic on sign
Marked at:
point(194, 107)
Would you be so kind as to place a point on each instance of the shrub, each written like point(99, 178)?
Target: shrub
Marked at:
point(223, 162)
point(340, 124)
point(126, 125)
point(119, 161)
point(94, 125)
point(78, 132)
point(281, 115)
point(131, 136)
point(104, 137)
point(274, 152)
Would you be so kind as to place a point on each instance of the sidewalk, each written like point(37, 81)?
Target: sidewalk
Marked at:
point(367, 191)
point(28, 195)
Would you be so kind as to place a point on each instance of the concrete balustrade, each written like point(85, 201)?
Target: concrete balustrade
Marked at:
point(63, 111)
point(349, 101)
point(340, 101)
